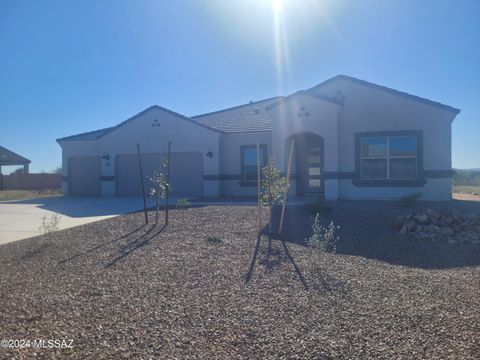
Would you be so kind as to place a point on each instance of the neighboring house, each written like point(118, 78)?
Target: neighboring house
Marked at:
point(9, 158)
point(354, 140)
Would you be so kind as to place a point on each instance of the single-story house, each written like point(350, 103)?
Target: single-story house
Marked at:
point(353, 140)
point(9, 158)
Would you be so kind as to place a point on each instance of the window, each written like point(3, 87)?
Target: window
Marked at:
point(249, 162)
point(388, 157)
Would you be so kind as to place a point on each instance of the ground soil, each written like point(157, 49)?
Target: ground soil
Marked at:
point(120, 289)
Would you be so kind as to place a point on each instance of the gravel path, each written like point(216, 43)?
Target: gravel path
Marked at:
point(122, 290)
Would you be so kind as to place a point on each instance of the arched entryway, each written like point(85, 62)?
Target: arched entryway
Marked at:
point(309, 164)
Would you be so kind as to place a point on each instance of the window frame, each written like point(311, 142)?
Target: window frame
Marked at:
point(243, 180)
point(359, 180)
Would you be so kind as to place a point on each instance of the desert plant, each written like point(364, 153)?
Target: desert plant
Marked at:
point(214, 240)
point(410, 200)
point(318, 207)
point(324, 238)
point(49, 223)
point(183, 203)
point(160, 186)
point(272, 190)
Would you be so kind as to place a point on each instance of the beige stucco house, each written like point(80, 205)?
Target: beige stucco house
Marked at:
point(353, 140)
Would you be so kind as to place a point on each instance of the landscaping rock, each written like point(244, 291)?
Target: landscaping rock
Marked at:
point(432, 214)
point(410, 225)
point(422, 235)
point(457, 216)
point(471, 218)
point(421, 218)
point(448, 220)
point(398, 222)
point(123, 290)
point(451, 242)
point(446, 231)
point(451, 224)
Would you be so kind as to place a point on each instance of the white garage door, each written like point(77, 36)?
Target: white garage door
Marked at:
point(186, 171)
point(84, 176)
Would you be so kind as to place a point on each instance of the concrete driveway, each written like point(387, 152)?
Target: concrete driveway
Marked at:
point(21, 219)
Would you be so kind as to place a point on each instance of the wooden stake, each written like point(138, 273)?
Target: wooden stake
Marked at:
point(143, 183)
point(168, 181)
point(289, 167)
point(259, 177)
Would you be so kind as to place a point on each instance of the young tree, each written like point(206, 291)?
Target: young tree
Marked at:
point(273, 189)
point(160, 186)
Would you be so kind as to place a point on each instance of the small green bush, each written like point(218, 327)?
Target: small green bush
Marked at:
point(318, 207)
point(409, 200)
point(214, 240)
point(183, 203)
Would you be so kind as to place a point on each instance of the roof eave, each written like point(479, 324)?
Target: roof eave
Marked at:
point(389, 90)
point(305, 93)
point(113, 128)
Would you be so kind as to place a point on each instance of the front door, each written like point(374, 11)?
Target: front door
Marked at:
point(309, 164)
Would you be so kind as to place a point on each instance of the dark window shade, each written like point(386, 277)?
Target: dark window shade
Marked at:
point(405, 168)
point(374, 168)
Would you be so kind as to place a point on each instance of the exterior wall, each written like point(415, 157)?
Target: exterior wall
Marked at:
point(367, 109)
point(183, 134)
point(230, 160)
point(75, 148)
point(434, 189)
point(322, 120)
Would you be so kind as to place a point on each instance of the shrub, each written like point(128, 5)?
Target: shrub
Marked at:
point(183, 203)
point(324, 238)
point(318, 207)
point(214, 240)
point(409, 200)
point(50, 223)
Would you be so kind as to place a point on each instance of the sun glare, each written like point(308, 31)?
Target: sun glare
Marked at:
point(277, 5)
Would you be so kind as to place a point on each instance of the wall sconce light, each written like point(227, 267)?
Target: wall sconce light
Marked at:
point(209, 154)
point(106, 157)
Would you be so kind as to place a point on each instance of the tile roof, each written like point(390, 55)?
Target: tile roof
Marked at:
point(253, 116)
point(91, 135)
point(96, 134)
point(243, 118)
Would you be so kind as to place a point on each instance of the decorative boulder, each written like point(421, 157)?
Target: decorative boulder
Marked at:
point(432, 214)
point(451, 226)
point(398, 222)
point(448, 220)
point(410, 225)
point(446, 231)
point(421, 218)
point(457, 216)
point(471, 218)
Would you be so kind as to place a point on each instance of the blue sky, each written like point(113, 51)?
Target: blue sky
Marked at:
point(74, 66)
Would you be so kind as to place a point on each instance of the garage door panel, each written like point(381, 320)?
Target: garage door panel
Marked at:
point(84, 176)
point(186, 171)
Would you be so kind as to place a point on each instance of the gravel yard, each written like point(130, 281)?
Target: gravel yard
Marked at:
point(123, 290)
